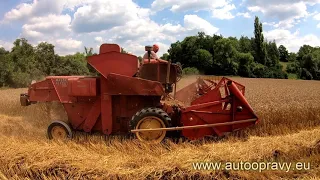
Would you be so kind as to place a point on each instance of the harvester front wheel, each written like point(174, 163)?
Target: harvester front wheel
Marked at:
point(59, 130)
point(150, 118)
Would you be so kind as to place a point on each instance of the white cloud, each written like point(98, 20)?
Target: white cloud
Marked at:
point(139, 30)
point(162, 48)
point(224, 12)
point(49, 28)
point(134, 35)
point(178, 5)
point(269, 23)
point(245, 15)
point(6, 45)
point(255, 9)
point(21, 11)
point(64, 46)
point(194, 22)
point(107, 21)
point(293, 41)
point(317, 17)
point(104, 14)
point(35, 9)
point(220, 8)
point(69, 43)
point(98, 39)
point(288, 12)
point(172, 29)
point(31, 35)
point(49, 24)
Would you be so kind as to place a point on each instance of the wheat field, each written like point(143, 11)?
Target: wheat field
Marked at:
point(289, 131)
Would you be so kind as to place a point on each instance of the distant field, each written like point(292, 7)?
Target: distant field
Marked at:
point(289, 131)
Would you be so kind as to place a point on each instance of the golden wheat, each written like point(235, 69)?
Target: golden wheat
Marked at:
point(288, 131)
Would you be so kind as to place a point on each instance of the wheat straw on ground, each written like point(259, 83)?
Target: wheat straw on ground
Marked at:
point(289, 131)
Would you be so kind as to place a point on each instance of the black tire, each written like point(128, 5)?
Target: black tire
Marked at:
point(151, 111)
point(62, 125)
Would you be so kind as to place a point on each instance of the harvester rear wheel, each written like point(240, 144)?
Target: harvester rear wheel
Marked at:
point(59, 130)
point(150, 118)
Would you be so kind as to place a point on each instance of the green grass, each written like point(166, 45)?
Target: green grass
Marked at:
point(292, 76)
point(284, 65)
point(284, 68)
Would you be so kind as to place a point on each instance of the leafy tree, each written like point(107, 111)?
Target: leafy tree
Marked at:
point(175, 52)
point(3, 51)
point(183, 51)
point(22, 55)
point(88, 51)
point(45, 57)
point(284, 55)
point(72, 65)
point(292, 57)
point(202, 40)
point(245, 45)
point(273, 54)
point(308, 60)
point(224, 58)
point(304, 50)
point(305, 74)
point(190, 71)
point(165, 56)
point(189, 46)
point(214, 40)
point(260, 54)
point(246, 61)
point(4, 67)
point(205, 42)
point(259, 70)
point(293, 67)
point(235, 43)
point(202, 59)
point(23, 64)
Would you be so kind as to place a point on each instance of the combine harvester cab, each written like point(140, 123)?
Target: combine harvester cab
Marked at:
point(128, 98)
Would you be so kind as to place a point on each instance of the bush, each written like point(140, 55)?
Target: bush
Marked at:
point(245, 61)
point(20, 79)
point(261, 71)
point(277, 73)
point(190, 71)
point(305, 74)
point(293, 68)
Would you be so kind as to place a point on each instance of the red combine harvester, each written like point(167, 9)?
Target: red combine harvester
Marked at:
point(126, 99)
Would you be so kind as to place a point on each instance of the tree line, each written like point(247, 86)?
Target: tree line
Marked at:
point(25, 63)
point(212, 55)
point(253, 57)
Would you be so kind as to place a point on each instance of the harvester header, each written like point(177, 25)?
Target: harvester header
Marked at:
point(130, 98)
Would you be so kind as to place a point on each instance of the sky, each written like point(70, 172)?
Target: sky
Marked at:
point(72, 24)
